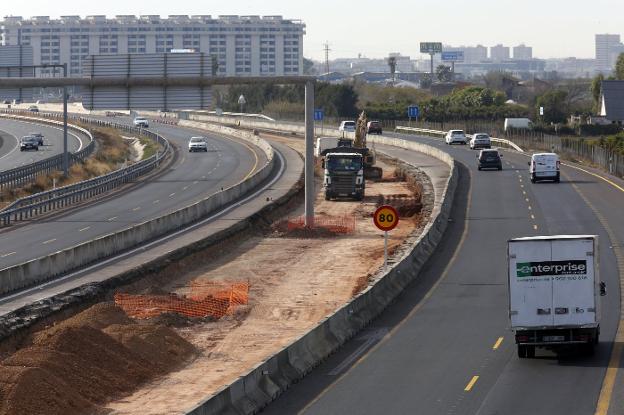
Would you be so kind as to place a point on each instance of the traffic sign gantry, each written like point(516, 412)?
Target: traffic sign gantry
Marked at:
point(386, 218)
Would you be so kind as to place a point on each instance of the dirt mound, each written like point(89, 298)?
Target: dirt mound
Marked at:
point(81, 363)
point(157, 344)
point(34, 391)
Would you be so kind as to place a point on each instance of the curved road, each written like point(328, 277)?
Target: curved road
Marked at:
point(11, 131)
point(448, 348)
point(191, 177)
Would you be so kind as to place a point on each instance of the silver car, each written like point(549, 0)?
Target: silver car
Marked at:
point(480, 140)
point(197, 144)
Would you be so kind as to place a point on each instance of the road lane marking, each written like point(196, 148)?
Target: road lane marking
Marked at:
point(535, 227)
point(136, 208)
point(86, 228)
point(156, 201)
point(527, 199)
point(524, 192)
point(185, 187)
point(49, 241)
point(112, 219)
point(414, 310)
point(498, 343)
point(532, 216)
point(9, 254)
point(470, 384)
point(172, 195)
point(195, 182)
point(371, 339)
point(530, 207)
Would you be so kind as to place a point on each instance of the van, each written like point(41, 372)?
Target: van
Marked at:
point(348, 126)
point(544, 166)
point(518, 123)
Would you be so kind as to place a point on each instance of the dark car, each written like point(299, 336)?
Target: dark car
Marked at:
point(374, 127)
point(490, 159)
point(29, 143)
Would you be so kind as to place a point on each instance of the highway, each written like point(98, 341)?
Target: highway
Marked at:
point(448, 348)
point(12, 131)
point(191, 177)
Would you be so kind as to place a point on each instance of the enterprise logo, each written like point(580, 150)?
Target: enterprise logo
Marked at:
point(538, 269)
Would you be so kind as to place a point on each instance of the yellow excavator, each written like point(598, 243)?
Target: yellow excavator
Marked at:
point(358, 145)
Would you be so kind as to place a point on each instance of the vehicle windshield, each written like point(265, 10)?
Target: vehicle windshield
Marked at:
point(27, 139)
point(482, 137)
point(349, 124)
point(457, 132)
point(196, 140)
point(489, 154)
point(344, 163)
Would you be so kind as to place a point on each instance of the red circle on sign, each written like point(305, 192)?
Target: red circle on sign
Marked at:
point(386, 218)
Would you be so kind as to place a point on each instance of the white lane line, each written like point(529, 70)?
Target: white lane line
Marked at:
point(172, 195)
point(9, 254)
point(49, 241)
point(86, 228)
point(156, 202)
point(195, 182)
point(185, 187)
point(136, 208)
point(112, 219)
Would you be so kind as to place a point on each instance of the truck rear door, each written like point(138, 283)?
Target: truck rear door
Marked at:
point(530, 290)
point(574, 299)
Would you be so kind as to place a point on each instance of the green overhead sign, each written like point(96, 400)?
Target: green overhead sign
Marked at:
point(430, 47)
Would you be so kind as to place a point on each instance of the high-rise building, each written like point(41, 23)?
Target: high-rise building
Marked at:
point(242, 45)
point(606, 47)
point(522, 52)
point(472, 54)
point(499, 53)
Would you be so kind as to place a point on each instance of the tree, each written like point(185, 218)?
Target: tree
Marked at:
point(619, 68)
point(444, 74)
point(392, 64)
point(308, 67)
point(555, 108)
point(596, 90)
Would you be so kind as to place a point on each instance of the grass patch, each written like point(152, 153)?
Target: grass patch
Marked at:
point(150, 147)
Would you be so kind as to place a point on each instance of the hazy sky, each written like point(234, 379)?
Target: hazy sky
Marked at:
point(374, 28)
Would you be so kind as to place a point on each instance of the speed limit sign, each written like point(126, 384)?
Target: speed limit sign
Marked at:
point(386, 218)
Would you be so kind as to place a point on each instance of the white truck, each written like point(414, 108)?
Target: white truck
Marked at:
point(518, 124)
point(554, 292)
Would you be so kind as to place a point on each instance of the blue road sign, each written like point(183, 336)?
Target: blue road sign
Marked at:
point(453, 56)
point(412, 111)
point(318, 115)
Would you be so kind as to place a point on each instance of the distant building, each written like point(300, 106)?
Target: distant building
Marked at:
point(472, 54)
point(499, 53)
point(607, 47)
point(522, 52)
point(612, 99)
point(243, 45)
point(16, 62)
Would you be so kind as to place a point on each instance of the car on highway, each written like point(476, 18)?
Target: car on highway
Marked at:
point(141, 122)
point(348, 126)
point(33, 108)
point(490, 159)
point(374, 127)
point(6, 101)
point(29, 143)
point(197, 144)
point(456, 136)
point(38, 136)
point(480, 140)
point(544, 166)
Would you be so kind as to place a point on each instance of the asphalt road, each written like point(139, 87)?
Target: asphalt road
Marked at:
point(191, 177)
point(12, 131)
point(448, 348)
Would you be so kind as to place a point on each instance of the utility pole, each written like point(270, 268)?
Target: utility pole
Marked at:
point(327, 50)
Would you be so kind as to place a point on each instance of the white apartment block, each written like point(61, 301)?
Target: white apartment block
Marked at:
point(242, 45)
point(523, 52)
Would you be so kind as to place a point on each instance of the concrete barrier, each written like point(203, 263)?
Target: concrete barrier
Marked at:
point(263, 383)
point(48, 267)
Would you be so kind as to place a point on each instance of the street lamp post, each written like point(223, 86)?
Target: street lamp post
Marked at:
point(242, 101)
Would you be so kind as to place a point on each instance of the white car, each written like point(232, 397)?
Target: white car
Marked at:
point(197, 144)
point(480, 140)
point(544, 166)
point(348, 126)
point(141, 122)
point(456, 136)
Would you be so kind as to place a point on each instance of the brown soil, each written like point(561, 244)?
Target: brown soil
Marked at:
point(76, 366)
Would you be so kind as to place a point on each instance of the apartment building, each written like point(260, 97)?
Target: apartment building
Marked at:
point(242, 45)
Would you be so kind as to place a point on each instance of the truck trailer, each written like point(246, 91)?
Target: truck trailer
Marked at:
point(554, 292)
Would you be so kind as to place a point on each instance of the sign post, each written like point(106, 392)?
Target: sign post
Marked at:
point(386, 218)
point(453, 56)
point(432, 48)
point(412, 112)
point(319, 114)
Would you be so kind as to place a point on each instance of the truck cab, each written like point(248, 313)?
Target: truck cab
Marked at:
point(343, 175)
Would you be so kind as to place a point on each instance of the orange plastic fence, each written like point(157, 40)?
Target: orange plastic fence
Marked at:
point(334, 224)
point(206, 300)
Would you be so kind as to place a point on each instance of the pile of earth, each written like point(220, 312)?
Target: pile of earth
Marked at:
point(78, 365)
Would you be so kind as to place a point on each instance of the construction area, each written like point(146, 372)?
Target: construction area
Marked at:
point(169, 340)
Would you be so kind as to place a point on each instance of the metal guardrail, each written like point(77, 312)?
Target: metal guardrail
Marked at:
point(442, 133)
point(44, 202)
point(19, 176)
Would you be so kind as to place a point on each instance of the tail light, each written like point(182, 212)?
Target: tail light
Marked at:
point(522, 338)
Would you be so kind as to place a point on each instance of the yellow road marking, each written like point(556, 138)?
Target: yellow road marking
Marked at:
point(498, 343)
point(471, 383)
point(9, 254)
point(84, 229)
point(49, 241)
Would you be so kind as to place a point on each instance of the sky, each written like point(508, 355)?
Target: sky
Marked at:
point(375, 28)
